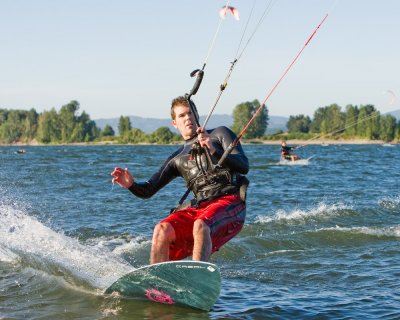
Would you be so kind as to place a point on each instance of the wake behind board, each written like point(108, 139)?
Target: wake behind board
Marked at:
point(301, 162)
point(190, 283)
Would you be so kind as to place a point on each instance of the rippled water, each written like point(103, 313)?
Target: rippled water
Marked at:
point(321, 239)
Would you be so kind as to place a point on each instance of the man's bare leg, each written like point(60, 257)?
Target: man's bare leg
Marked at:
point(202, 241)
point(163, 235)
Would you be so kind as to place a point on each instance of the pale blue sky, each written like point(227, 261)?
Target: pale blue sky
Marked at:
point(131, 57)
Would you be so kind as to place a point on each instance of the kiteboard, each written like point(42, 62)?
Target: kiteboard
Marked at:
point(301, 162)
point(194, 284)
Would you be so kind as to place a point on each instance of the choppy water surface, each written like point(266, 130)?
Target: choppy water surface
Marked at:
point(321, 239)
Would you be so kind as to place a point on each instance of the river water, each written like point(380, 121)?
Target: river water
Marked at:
point(321, 240)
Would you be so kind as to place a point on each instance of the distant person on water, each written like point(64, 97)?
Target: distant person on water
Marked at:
point(286, 152)
point(217, 213)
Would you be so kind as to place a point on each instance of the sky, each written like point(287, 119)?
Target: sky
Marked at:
point(132, 57)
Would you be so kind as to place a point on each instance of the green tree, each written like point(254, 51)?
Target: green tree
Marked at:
point(9, 132)
point(108, 131)
point(3, 116)
point(397, 132)
point(17, 125)
point(243, 113)
point(162, 135)
point(136, 136)
point(299, 123)
point(318, 122)
point(387, 127)
point(351, 118)
point(49, 127)
point(31, 124)
point(12, 129)
point(336, 119)
point(68, 120)
point(368, 122)
point(88, 131)
point(124, 126)
point(66, 126)
point(78, 134)
point(328, 120)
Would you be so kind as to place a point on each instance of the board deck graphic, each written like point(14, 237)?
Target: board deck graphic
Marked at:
point(191, 283)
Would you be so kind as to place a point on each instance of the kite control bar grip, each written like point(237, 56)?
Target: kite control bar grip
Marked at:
point(199, 79)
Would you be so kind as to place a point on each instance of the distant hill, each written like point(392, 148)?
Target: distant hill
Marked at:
point(149, 125)
point(395, 114)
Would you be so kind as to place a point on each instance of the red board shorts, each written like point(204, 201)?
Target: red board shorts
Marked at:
point(224, 215)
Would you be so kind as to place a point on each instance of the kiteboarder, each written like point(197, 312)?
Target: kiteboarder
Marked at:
point(217, 212)
point(286, 152)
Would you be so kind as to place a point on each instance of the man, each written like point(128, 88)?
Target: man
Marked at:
point(285, 152)
point(218, 211)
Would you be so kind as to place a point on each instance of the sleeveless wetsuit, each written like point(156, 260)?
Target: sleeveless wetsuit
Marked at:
point(218, 202)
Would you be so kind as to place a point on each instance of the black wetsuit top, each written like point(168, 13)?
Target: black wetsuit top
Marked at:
point(182, 164)
point(285, 151)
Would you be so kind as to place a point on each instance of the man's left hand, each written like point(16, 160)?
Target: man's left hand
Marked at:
point(205, 139)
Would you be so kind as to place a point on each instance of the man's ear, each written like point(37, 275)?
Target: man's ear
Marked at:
point(174, 124)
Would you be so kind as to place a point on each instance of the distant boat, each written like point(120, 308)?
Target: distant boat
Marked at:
point(21, 151)
point(388, 145)
point(323, 144)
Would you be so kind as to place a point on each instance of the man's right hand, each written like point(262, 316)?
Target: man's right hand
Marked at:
point(122, 177)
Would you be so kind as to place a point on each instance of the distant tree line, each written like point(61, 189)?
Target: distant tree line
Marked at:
point(363, 122)
point(68, 126)
point(51, 126)
point(128, 134)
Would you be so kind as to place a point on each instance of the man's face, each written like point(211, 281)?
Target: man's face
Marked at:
point(184, 121)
